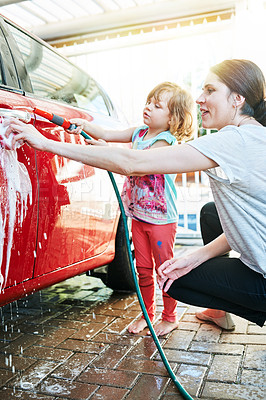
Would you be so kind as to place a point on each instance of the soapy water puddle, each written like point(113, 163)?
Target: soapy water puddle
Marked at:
point(19, 318)
point(24, 313)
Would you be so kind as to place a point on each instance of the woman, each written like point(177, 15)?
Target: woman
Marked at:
point(232, 101)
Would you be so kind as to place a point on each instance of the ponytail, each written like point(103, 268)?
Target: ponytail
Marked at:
point(260, 112)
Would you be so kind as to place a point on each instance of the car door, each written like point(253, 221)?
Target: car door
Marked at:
point(78, 208)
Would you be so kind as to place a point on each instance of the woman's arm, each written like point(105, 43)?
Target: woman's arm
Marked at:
point(173, 269)
point(97, 132)
point(169, 159)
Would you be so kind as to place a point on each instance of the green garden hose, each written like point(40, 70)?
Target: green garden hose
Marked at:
point(183, 392)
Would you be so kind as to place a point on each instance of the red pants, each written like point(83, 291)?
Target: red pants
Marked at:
point(153, 245)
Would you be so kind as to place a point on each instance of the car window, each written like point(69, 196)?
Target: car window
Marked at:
point(54, 77)
point(8, 73)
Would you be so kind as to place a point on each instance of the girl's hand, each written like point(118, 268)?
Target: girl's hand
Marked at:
point(23, 133)
point(173, 269)
point(80, 125)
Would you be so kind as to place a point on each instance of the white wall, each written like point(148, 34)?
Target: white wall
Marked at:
point(129, 67)
point(129, 73)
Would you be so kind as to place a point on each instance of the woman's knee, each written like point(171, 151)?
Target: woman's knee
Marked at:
point(208, 209)
point(210, 223)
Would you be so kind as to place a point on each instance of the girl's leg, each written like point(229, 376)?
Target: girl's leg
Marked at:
point(145, 269)
point(162, 238)
point(224, 284)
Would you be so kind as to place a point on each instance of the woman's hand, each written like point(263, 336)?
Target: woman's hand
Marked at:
point(173, 269)
point(94, 142)
point(25, 133)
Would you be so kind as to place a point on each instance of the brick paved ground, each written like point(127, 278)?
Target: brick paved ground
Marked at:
point(71, 342)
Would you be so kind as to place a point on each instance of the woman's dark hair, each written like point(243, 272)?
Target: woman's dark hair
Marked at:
point(245, 78)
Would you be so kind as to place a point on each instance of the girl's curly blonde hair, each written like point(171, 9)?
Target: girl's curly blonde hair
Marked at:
point(181, 106)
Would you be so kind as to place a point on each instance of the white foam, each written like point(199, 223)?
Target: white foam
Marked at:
point(15, 195)
point(6, 142)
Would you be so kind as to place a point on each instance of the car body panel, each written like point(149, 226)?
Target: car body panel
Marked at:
point(58, 216)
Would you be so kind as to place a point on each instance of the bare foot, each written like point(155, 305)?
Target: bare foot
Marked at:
point(164, 327)
point(137, 326)
point(221, 318)
point(209, 312)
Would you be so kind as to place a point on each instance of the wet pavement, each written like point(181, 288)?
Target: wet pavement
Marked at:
point(70, 341)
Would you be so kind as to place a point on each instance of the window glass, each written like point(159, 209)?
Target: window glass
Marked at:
point(54, 77)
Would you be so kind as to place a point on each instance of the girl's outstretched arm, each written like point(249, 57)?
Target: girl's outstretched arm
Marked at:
point(97, 132)
point(170, 159)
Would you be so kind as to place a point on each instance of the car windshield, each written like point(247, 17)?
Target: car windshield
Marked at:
point(54, 77)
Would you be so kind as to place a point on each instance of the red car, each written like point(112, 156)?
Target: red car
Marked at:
point(59, 218)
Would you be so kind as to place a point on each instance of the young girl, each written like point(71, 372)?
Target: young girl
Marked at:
point(150, 200)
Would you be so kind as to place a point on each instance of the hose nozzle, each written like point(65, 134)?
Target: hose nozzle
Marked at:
point(57, 120)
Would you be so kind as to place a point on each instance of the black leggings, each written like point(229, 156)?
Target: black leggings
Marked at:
point(222, 283)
